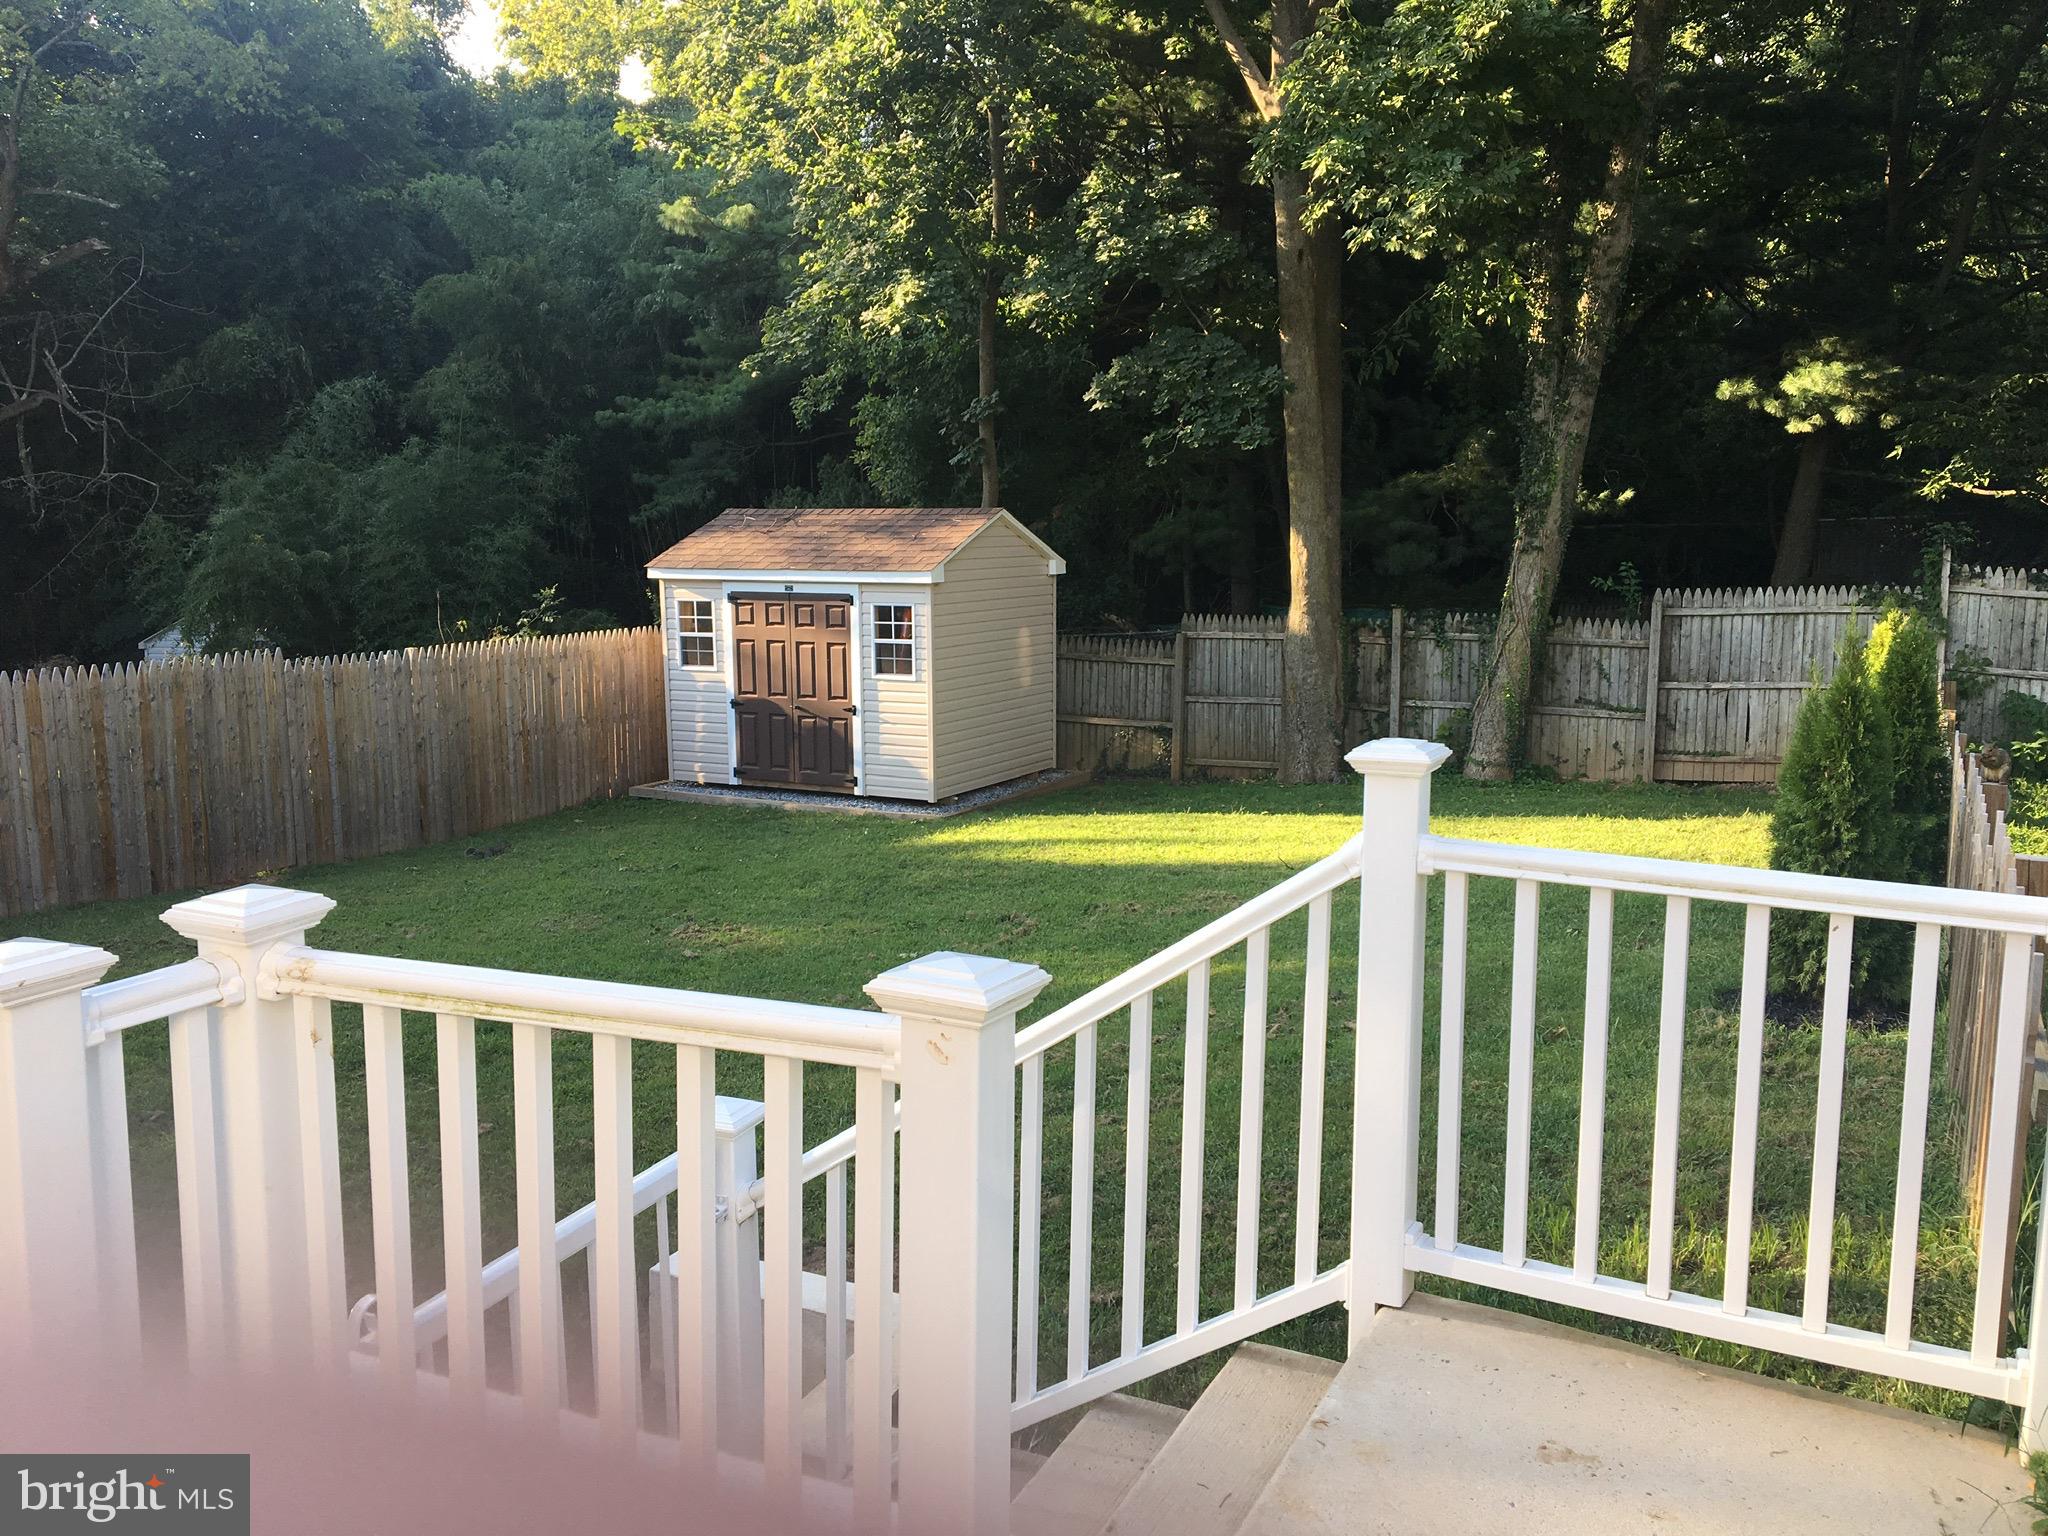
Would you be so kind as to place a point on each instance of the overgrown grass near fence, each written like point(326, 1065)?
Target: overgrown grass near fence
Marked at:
point(119, 781)
point(1087, 884)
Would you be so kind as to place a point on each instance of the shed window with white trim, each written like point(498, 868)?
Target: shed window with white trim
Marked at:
point(693, 634)
point(895, 643)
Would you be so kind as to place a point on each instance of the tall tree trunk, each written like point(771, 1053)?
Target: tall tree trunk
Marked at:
point(1798, 537)
point(1559, 416)
point(1312, 652)
point(1308, 264)
point(985, 330)
point(985, 428)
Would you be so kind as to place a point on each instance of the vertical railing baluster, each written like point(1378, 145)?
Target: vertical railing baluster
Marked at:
point(201, 1239)
point(1137, 1169)
point(1827, 1123)
point(874, 1232)
point(1593, 1083)
point(1749, 1060)
point(540, 1276)
point(835, 1321)
point(697, 1320)
point(320, 1163)
point(462, 1239)
point(119, 1323)
point(1315, 1030)
point(661, 1305)
point(1194, 1116)
point(1514, 1245)
point(782, 1315)
point(1081, 1204)
point(1670, 1083)
point(390, 1190)
point(1450, 1066)
point(614, 1298)
point(1251, 1127)
point(1898, 1312)
point(1994, 1227)
point(1030, 1219)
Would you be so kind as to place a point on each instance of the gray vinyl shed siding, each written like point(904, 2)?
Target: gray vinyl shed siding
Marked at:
point(699, 707)
point(993, 639)
point(896, 712)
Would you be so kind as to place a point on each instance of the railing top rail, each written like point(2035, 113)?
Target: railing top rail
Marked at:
point(1885, 900)
point(807, 1031)
point(1234, 927)
point(113, 1006)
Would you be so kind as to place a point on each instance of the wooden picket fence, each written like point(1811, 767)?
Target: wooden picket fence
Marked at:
point(129, 780)
point(1980, 858)
point(1704, 689)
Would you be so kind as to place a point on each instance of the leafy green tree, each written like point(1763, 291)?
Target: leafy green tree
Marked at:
point(1502, 137)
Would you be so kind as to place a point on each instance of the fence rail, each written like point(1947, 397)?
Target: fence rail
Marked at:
point(1704, 689)
point(161, 776)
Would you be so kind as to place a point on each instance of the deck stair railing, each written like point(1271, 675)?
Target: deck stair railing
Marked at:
point(899, 1237)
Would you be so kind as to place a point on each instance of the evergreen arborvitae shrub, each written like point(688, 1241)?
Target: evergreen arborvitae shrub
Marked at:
point(1905, 667)
point(1833, 816)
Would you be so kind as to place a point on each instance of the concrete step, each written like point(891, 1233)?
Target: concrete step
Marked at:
point(1220, 1457)
point(1024, 1468)
point(1453, 1418)
point(1087, 1476)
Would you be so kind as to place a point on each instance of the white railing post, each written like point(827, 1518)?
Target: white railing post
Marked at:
point(739, 1275)
point(1386, 1108)
point(264, 1161)
point(49, 1245)
point(958, 1182)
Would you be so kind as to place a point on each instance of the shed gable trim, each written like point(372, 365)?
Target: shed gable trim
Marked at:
point(1054, 565)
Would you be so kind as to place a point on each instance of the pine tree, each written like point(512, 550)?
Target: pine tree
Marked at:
point(1905, 666)
point(1834, 817)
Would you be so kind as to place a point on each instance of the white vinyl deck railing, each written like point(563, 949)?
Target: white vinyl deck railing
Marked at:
point(929, 1301)
point(1188, 962)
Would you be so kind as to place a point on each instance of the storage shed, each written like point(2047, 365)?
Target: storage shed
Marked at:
point(899, 652)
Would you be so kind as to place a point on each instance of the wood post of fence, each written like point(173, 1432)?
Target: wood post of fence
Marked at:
point(1653, 669)
point(1397, 622)
point(1179, 728)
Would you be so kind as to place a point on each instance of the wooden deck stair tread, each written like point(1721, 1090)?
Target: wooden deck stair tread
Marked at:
point(1086, 1478)
point(1212, 1469)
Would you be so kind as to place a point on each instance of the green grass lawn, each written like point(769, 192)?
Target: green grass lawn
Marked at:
point(810, 907)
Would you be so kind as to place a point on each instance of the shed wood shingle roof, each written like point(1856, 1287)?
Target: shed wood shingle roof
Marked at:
point(827, 539)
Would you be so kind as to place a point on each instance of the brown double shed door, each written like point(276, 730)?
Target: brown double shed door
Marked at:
point(792, 706)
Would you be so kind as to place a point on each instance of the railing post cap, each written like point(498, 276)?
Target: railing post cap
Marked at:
point(248, 914)
point(1401, 756)
point(961, 989)
point(730, 1116)
point(33, 969)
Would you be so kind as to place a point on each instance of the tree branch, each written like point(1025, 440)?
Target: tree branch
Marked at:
point(64, 255)
point(83, 197)
point(1260, 89)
